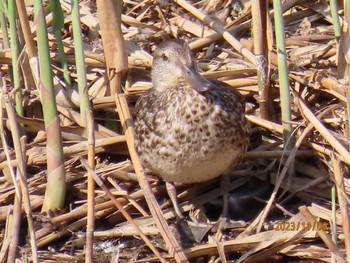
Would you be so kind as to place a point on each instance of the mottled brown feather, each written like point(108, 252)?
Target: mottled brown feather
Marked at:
point(183, 133)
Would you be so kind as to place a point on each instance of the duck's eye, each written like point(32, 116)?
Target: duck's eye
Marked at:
point(165, 57)
point(188, 71)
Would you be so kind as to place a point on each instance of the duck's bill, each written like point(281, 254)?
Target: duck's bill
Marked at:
point(196, 81)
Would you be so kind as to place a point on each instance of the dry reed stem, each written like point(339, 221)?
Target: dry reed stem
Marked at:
point(330, 85)
point(122, 210)
point(265, 123)
point(234, 73)
point(131, 200)
point(21, 171)
point(90, 227)
point(36, 126)
point(322, 130)
point(4, 248)
point(109, 15)
point(14, 225)
point(134, 22)
point(80, 147)
point(169, 238)
point(82, 211)
point(50, 236)
point(323, 150)
point(285, 169)
point(240, 83)
point(278, 241)
point(75, 116)
point(315, 82)
point(221, 251)
point(261, 39)
point(193, 28)
point(206, 41)
point(23, 18)
point(9, 162)
point(46, 236)
point(218, 28)
point(17, 211)
point(343, 204)
point(315, 182)
point(127, 231)
point(37, 155)
point(277, 154)
point(323, 235)
point(249, 242)
point(324, 213)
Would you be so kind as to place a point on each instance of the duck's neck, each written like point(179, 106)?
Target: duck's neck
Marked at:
point(170, 84)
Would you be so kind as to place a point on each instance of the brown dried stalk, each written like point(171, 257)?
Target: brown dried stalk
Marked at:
point(343, 204)
point(90, 227)
point(122, 210)
point(218, 28)
point(323, 235)
point(21, 169)
point(126, 120)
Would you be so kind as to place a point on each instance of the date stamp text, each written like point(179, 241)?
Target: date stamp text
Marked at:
point(296, 226)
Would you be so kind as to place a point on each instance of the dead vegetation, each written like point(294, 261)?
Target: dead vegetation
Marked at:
point(278, 213)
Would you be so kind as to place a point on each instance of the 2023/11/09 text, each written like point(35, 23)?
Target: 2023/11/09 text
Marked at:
point(296, 226)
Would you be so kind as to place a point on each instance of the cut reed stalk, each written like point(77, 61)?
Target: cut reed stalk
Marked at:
point(260, 37)
point(56, 181)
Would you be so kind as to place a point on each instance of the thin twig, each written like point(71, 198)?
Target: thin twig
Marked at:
point(326, 239)
point(170, 240)
point(90, 227)
point(21, 172)
point(343, 204)
point(122, 210)
point(218, 28)
point(322, 130)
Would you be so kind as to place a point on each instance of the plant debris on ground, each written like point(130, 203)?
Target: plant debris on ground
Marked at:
point(281, 203)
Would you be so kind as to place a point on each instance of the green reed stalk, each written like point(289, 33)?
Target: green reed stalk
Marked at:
point(335, 17)
point(56, 183)
point(15, 50)
point(57, 25)
point(283, 76)
point(80, 63)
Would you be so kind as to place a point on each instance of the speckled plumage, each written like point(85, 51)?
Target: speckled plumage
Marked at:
point(188, 128)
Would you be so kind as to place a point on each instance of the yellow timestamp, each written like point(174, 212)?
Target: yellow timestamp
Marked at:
point(296, 226)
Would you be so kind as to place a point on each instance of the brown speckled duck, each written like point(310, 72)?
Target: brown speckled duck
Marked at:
point(188, 128)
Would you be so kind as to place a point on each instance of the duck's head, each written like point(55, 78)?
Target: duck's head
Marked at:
point(173, 63)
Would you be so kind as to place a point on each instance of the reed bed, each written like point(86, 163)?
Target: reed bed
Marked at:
point(67, 127)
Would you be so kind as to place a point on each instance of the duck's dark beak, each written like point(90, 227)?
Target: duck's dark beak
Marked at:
point(195, 79)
